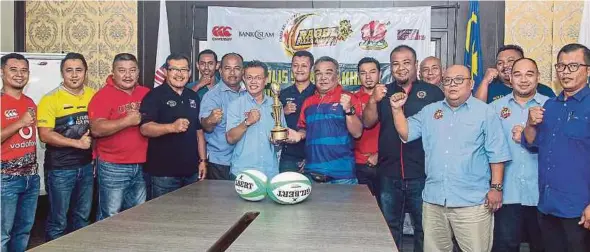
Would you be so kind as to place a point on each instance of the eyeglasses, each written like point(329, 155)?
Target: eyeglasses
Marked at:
point(457, 80)
point(560, 67)
point(177, 70)
point(251, 78)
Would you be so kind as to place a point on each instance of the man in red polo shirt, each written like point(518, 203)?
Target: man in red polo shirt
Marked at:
point(365, 149)
point(120, 147)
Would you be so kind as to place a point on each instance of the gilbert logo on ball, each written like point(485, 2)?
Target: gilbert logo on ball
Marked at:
point(251, 185)
point(289, 188)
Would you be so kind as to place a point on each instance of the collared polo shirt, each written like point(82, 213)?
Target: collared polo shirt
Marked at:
point(563, 140)
point(254, 150)
point(218, 150)
point(329, 145)
point(497, 90)
point(292, 94)
point(19, 152)
point(460, 143)
point(521, 173)
point(396, 159)
point(127, 146)
point(67, 115)
point(173, 154)
point(202, 91)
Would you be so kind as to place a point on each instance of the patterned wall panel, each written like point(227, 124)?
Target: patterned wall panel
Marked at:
point(97, 29)
point(542, 28)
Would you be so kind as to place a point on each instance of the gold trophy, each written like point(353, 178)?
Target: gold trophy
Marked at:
point(278, 133)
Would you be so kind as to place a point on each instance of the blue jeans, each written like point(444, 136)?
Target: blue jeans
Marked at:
point(164, 185)
point(18, 203)
point(120, 187)
point(398, 197)
point(289, 163)
point(69, 190)
point(511, 222)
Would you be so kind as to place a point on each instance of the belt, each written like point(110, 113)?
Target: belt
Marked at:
point(321, 178)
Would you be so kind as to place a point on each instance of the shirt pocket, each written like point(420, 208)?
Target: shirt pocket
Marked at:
point(468, 135)
point(577, 127)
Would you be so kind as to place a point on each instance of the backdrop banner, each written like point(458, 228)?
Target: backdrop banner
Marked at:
point(274, 35)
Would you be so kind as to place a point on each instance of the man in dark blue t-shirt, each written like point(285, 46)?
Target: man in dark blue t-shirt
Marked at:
point(496, 81)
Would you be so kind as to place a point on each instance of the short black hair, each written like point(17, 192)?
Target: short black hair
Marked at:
point(529, 59)
point(177, 56)
point(574, 47)
point(232, 54)
point(368, 60)
point(328, 59)
point(257, 63)
point(16, 56)
point(510, 47)
point(124, 57)
point(73, 56)
point(404, 47)
point(207, 51)
point(304, 53)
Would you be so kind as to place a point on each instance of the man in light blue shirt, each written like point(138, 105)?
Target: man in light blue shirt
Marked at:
point(249, 123)
point(462, 139)
point(521, 191)
point(214, 104)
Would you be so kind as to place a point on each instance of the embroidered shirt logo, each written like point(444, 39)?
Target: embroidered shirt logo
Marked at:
point(438, 114)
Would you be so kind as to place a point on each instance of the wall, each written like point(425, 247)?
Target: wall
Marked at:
point(7, 26)
point(541, 28)
point(98, 30)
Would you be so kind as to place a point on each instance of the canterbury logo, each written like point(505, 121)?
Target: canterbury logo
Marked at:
point(10, 113)
point(221, 31)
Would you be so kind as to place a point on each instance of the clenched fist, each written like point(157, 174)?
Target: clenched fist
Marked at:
point(133, 117)
point(517, 133)
point(345, 102)
point(215, 116)
point(398, 100)
point(180, 125)
point(253, 117)
point(491, 74)
point(535, 116)
point(290, 108)
point(27, 119)
point(379, 93)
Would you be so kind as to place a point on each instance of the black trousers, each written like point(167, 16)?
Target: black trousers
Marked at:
point(563, 234)
point(217, 171)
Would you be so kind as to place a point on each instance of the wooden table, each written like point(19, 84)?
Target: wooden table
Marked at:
point(193, 218)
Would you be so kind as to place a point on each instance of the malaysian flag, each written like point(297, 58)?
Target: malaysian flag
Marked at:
point(163, 49)
point(160, 76)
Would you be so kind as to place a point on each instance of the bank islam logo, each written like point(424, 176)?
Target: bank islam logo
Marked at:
point(260, 35)
point(373, 35)
point(410, 34)
point(221, 33)
point(295, 38)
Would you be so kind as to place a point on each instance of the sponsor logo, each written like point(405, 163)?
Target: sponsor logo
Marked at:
point(193, 103)
point(295, 38)
point(129, 106)
point(410, 34)
point(421, 94)
point(373, 36)
point(11, 113)
point(22, 144)
point(171, 103)
point(221, 33)
point(26, 132)
point(438, 114)
point(505, 113)
point(260, 35)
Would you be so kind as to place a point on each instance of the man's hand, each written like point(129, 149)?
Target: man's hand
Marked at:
point(535, 116)
point(290, 108)
point(379, 93)
point(253, 117)
point(585, 219)
point(179, 126)
point(215, 116)
point(491, 74)
point(398, 100)
point(203, 81)
point(293, 136)
point(133, 117)
point(373, 159)
point(85, 141)
point(345, 102)
point(28, 119)
point(517, 133)
point(493, 200)
point(202, 170)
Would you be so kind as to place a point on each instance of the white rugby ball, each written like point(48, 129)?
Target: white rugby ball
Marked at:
point(289, 188)
point(251, 185)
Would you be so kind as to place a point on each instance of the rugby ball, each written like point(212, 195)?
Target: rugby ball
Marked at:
point(289, 188)
point(251, 185)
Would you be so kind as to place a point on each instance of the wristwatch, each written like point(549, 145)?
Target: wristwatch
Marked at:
point(351, 112)
point(202, 160)
point(246, 123)
point(497, 187)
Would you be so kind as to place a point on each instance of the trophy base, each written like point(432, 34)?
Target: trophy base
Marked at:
point(279, 134)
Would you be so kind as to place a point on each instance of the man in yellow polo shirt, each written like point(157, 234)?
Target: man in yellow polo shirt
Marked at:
point(63, 125)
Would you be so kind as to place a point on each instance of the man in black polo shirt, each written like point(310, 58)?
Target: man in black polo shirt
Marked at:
point(401, 166)
point(293, 155)
point(170, 118)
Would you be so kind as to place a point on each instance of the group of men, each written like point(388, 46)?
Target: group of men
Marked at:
point(469, 173)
